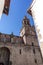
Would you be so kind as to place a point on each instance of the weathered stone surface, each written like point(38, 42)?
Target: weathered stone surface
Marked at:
point(20, 50)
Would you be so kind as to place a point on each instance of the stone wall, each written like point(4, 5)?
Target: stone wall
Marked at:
point(23, 54)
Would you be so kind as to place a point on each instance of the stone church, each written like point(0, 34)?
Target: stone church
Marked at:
point(20, 50)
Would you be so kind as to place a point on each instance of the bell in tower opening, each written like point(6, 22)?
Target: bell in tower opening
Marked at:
point(26, 21)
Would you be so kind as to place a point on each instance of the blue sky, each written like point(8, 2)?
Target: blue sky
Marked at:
point(13, 22)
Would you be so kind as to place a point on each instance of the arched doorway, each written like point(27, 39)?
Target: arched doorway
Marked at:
point(4, 55)
point(1, 64)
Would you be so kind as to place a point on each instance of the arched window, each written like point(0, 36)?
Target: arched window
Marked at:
point(33, 48)
point(4, 55)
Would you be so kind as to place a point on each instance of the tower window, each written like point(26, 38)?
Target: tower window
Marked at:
point(35, 61)
point(20, 51)
point(34, 50)
point(39, 49)
point(32, 44)
point(26, 22)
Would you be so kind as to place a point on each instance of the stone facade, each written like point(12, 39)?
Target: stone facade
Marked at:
point(20, 50)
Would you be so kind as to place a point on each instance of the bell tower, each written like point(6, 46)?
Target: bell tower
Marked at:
point(25, 31)
point(26, 21)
